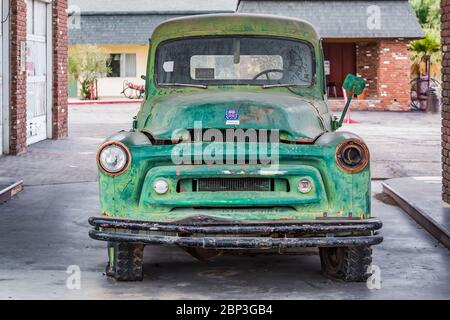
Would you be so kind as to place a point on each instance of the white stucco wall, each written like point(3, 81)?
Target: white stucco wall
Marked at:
point(112, 87)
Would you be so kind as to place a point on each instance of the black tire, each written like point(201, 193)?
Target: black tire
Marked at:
point(348, 263)
point(125, 261)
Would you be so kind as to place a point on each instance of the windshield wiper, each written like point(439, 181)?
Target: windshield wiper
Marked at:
point(201, 86)
point(285, 85)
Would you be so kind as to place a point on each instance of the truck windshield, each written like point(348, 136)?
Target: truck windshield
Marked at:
point(234, 60)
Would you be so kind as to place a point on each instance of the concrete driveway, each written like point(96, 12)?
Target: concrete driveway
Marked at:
point(44, 229)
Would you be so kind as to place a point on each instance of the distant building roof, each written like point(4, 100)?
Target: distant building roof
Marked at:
point(116, 29)
point(345, 18)
point(154, 6)
point(132, 22)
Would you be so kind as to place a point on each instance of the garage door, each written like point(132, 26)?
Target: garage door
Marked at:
point(37, 70)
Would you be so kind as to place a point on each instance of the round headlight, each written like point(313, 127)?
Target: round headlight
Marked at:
point(352, 156)
point(161, 186)
point(304, 186)
point(113, 158)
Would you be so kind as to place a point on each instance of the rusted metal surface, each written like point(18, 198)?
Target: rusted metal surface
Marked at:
point(236, 242)
point(303, 227)
point(240, 236)
point(360, 147)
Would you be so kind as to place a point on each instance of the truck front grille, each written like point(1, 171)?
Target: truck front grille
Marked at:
point(233, 184)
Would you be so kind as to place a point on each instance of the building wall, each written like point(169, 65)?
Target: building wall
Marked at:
point(394, 75)
point(18, 79)
point(112, 87)
point(445, 9)
point(386, 66)
point(367, 64)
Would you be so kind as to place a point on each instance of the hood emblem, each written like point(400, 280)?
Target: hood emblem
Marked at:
point(232, 117)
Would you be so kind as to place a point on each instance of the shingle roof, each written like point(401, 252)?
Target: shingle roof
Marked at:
point(132, 22)
point(345, 19)
point(154, 6)
point(116, 29)
point(118, 22)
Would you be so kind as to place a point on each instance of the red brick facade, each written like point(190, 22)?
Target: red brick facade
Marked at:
point(60, 126)
point(394, 75)
point(445, 9)
point(18, 81)
point(367, 64)
point(386, 66)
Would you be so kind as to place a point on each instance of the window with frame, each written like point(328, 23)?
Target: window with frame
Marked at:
point(122, 65)
point(37, 18)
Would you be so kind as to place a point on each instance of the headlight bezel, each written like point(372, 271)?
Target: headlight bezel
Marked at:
point(124, 149)
point(361, 147)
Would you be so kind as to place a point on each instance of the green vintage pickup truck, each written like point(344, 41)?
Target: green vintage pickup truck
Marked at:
point(235, 150)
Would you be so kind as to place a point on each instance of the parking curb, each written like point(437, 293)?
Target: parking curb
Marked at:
point(419, 215)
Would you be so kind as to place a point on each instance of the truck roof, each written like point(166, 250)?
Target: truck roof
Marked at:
point(234, 24)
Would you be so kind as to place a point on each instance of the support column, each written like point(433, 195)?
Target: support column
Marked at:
point(18, 80)
point(445, 35)
point(59, 106)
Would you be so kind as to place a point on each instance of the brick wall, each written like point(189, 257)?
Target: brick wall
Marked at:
point(367, 64)
point(18, 84)
point(386, 66)
point(445, 9)
point(394, 75)
point(59, 107)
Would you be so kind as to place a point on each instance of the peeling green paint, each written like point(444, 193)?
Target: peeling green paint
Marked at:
point(299, 113)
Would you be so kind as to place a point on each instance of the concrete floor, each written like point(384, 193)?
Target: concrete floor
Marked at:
point(40, 239)
point(44, 229)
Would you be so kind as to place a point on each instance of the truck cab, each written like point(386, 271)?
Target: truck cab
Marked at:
point(235, 149)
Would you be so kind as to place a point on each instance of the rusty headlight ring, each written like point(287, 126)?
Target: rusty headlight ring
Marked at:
point(352, 156)
point(119, 146)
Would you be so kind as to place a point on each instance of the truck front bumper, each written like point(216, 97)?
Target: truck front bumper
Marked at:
point(202, 232)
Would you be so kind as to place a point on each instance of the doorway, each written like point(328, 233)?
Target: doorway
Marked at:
point(340, 60)
point(38, 70)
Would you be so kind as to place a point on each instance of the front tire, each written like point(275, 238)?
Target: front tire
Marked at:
point(346, 263)
point(125, 261)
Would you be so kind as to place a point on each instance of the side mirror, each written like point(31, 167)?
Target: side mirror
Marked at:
point(143, 77)
point(354, 85)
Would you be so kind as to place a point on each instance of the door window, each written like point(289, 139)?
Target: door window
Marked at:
point(36, 68)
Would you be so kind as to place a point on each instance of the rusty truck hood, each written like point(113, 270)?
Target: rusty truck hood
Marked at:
point(296, 118)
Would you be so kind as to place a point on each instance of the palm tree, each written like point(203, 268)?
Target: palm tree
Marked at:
point(426, 55)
